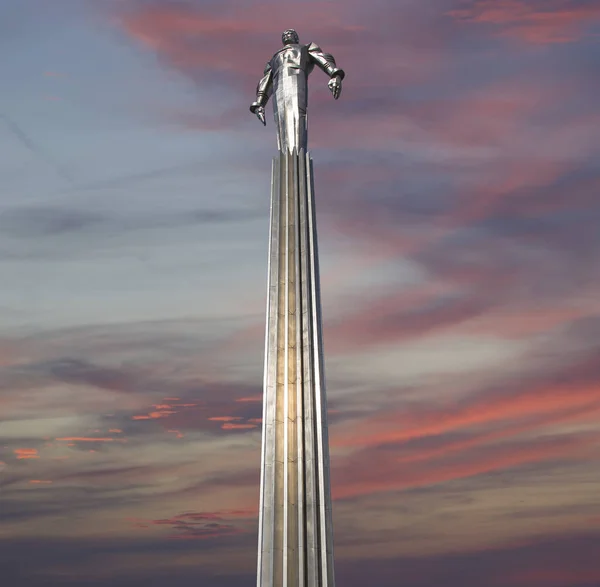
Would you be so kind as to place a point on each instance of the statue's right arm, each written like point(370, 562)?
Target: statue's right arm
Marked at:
point(264, 89)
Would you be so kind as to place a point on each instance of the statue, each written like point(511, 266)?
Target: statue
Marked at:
point(286, 77)
point(295, 536)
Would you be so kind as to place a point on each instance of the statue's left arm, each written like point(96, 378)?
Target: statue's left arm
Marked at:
point(326, 62)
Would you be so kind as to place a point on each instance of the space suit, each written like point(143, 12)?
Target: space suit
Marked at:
point(285, 78)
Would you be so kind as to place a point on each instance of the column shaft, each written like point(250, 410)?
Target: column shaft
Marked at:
point(295, 526)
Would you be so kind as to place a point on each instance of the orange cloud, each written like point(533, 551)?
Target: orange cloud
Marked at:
point(229, 426)
point(154, 415)
point(533, 22)
point(161, 411)
point(225, 418)
point(250, 399)
point(26, 453)
point(40, 482)
point(115, 430)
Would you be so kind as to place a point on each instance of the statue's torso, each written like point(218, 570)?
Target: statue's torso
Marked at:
point(291, 66)
point(290, 60)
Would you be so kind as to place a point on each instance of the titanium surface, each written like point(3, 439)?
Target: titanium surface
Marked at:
point(286, 79)
point(295, 525)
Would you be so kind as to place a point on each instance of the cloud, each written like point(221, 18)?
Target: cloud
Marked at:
point(26, 453)
point(455, 429)
point(86, 439)
point(252, 399)
point(532, 21)
point(204, 41)
point(28, 223)
point(554, 577)
point(43, 222)
point(23, 137)
point(379, 473)
point(507, 565)
point(203, 525)
point(79, 372)
point(562, 393)
point(497, 567)
point(230, 426)
point(465, 176)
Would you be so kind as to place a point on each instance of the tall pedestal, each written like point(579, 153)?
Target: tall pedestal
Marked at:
point(295, 526)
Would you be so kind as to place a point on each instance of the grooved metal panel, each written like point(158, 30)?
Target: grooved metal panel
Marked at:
point(295, 526)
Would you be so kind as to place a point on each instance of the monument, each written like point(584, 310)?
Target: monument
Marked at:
point(295, 536)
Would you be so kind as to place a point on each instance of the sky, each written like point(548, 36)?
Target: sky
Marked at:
point(458, 200)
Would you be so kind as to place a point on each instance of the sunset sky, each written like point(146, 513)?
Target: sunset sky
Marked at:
point(458, 195)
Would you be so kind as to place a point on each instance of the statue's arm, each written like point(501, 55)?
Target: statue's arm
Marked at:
point(264, 89)
point(326, 62)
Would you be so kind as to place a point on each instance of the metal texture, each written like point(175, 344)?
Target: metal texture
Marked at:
point(286, 79)
point(295, 527)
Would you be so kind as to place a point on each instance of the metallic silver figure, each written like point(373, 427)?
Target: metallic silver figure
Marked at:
point(285, 77)
point(295, 540)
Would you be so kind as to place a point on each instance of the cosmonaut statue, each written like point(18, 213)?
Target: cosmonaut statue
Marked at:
point(286, 79)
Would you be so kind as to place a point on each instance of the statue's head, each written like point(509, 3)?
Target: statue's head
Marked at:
point(290, 37)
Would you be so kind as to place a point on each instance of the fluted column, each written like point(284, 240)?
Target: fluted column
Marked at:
point(295, 525)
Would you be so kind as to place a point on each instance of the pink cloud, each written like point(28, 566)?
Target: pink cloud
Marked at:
point(537, 22)
point(577, 400)
point(196, 38)
point(377, 474)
